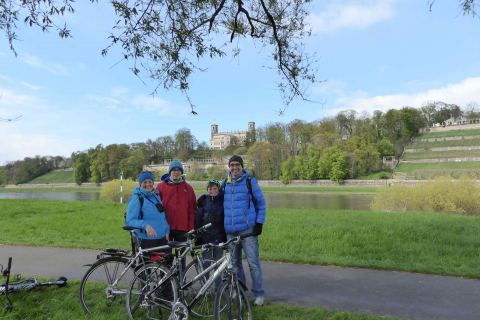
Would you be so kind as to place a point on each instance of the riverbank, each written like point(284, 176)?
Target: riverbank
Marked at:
point(416, 242)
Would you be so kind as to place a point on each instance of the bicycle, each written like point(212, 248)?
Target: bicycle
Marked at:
point(114, 270)
point(146, 298)
point(20, 284)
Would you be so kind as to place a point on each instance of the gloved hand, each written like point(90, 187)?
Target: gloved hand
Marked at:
point(257, 230)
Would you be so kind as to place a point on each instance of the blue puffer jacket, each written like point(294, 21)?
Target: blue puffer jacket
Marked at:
point(240, 211)
point(151, 215)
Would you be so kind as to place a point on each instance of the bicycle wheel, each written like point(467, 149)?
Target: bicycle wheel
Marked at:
point(148, 300)
point(204, 307)
point(232, 304)
point(97, 295)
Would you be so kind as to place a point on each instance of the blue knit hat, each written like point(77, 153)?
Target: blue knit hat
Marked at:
point(144, 176)
point(175, 164)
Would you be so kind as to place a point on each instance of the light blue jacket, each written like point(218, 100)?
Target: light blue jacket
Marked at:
point(240, 211)
point(151, 215)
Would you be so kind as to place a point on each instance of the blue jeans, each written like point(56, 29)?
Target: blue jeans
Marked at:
point(250, 247)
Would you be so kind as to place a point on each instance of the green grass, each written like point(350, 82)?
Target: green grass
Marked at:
point(440, 144)
point(55, 176)
point(320, 189)
point(408, 167)
point(419, 242)
point(62, 303)
point(377, 175)
point(452, 133)
point(441, 154)
point(68, 189)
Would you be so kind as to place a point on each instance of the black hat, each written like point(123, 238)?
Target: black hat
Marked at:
point(236, 159)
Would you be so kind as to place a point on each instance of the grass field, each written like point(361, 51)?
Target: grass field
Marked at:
point(441, 144)
point(55, 176)
point(441, 154)
point(68, 189)
point(62, 303)
point(452, 133)
point(418, 242)
point(408, 167)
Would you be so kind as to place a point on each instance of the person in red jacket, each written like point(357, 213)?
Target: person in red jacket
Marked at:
point(179, 201)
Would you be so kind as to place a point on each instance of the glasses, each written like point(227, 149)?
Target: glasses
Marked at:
point(235, 164)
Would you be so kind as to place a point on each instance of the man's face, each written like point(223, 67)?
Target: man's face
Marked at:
point(147, 184)
point(235, 169)
point(176, 174)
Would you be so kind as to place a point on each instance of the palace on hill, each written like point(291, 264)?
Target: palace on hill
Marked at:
point(221, 140)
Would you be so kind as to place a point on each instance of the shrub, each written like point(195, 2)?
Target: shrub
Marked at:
point(111, 190)
point(441, 195)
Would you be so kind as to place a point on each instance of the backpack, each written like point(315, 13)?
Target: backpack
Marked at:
point(140, 215)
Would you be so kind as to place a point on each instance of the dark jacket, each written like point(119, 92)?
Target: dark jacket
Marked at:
point(210, 210)
point(241, 211)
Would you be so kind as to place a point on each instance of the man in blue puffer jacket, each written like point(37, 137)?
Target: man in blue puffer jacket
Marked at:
point(244, 214)
point(149, 216)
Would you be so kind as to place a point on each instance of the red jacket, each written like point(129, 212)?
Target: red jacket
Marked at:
point(180, 203)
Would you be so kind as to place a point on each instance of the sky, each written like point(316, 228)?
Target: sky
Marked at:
point(371, 55)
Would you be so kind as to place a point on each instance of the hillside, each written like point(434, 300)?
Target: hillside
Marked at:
point(55, 176)
point(454, 152)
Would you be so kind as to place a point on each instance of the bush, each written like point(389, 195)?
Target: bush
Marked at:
point(111, 190)
point(442, 195)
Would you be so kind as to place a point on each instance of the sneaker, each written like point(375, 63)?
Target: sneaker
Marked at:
point(259, 301)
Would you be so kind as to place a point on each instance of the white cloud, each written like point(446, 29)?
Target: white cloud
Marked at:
point(12, 103)
point(151, 104)
point(351, 15)
point(53, 68)
point(16, 145)
point(460, 93)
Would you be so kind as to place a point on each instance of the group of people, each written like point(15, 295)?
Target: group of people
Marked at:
point(234, 206)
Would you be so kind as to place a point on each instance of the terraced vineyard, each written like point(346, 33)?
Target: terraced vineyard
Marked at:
point(452, 153)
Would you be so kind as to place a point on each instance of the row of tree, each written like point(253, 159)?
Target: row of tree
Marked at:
point(349, 145)
point(22, 171)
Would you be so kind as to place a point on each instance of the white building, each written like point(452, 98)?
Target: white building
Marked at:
point(221, 140)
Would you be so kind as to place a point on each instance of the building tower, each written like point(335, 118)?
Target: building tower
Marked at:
point(251, 126)
point(214, 130)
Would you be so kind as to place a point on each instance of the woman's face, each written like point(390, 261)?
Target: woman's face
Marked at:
point(147, 184)
point(212, 191)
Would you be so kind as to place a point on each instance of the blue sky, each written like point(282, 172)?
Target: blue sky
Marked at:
point(372, 54)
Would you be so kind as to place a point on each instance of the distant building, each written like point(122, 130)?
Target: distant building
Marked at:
point(221, 140)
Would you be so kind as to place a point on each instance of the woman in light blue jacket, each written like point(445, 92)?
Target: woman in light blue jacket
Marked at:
point(145, 211)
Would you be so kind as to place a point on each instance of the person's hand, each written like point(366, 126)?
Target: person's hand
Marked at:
point(257, 230)
point(150, 231)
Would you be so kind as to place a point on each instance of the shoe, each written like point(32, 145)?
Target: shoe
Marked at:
point(259, 301)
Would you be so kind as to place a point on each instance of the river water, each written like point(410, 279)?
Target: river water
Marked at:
point(274, 199)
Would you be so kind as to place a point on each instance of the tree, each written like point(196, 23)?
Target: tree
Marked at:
point(3, 177)
point(287, 173)
point(185, 144)
point(261, 160)
point(81, 168)
point(166, 38)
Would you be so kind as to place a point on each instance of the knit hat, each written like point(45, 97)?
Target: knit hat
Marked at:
point(236, 159)
point(175, 164)
point(145, 175)
point(213, 182)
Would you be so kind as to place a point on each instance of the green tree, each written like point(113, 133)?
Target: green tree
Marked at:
point(333, 164)
point(81, 168)
point(260, 160)
point(288, 172)
point(3, 177)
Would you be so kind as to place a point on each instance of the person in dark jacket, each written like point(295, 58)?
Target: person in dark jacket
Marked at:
point(244, 211)
point(149, 216)
point(210, 210)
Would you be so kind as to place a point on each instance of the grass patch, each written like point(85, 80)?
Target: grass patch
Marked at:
point(441, 154)
point(420, 242)
point(69, 189)
point(377, 176)
point(320, 189)
point(62, 303)
point(452, 133)
point(450, 143)
point(408, 167)
point(55, 176)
